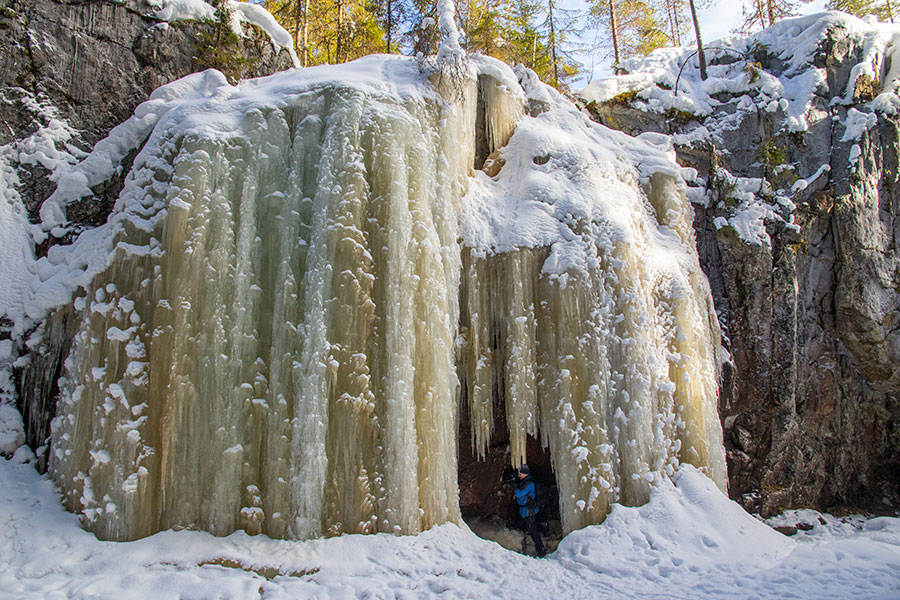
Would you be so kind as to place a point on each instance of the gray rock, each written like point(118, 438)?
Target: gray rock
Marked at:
point(95, 61)
point(810, 401)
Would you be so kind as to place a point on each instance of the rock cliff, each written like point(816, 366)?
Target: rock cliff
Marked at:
point(86, 64)
point(795, 138)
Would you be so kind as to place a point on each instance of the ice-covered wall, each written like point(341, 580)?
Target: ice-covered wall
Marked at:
point(301, 271)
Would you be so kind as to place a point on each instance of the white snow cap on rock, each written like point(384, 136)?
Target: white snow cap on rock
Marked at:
point(733, 71)
point(780, 73)
point(182, 10)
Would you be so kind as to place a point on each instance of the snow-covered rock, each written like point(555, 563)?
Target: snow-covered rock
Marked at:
point(794, 136)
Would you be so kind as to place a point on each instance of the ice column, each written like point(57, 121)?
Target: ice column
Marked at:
point(614, 367)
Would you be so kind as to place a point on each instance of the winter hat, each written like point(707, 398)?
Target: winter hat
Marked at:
point(524, 469)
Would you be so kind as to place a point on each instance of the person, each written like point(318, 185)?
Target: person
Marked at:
point(526, 498)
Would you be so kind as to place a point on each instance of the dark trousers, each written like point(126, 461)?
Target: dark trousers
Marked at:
point(531, 528)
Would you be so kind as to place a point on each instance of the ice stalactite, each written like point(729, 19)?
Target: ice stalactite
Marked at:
point(272, 345)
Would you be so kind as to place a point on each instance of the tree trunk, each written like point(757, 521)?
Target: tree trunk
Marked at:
point(553, 45)
point(339, 39)
point(390, 25)
point(305, 62)
point(676, 21)
point(533, 50)
point(701, 55)
point(614, 28)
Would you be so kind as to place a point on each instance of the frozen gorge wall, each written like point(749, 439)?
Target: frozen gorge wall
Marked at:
point(303, 276)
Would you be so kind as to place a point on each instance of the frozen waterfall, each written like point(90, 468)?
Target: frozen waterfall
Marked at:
point(304, 274)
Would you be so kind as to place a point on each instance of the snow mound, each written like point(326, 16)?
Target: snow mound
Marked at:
point(200, 100)
point(687, 525)
point(668, 79)
point(807, 75)
point(560, 167)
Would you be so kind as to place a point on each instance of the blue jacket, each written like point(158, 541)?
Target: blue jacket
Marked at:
point(525, 497)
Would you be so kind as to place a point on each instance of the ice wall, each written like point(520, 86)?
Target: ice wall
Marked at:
point(303, 269)
point(271, 346)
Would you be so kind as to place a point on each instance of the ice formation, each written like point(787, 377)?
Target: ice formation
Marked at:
point(304, 273)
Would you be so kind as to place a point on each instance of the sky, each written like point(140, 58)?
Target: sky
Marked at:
point(720, 19)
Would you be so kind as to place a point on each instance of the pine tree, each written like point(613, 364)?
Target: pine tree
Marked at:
point(759, 14)
point(560, 25)
point(484, 27)
point(630, 27)
point(882, 9)
point(614, 32)
point(675, 20)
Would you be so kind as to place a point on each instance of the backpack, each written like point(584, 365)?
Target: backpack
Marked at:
point(541, 496)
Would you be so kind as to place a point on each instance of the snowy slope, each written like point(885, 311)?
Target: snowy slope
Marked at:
point(688, 542)
point(733, 73)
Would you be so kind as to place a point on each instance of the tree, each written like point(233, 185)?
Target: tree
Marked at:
point(629, 27)
point(701, 55)
point(614, 33)
point(559, 26)
point(675, 19)
point(484, 28)
point(882, 9)
point(331, 31)
point(759, 14)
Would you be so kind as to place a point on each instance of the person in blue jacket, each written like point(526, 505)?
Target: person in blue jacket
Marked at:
point(526, 498)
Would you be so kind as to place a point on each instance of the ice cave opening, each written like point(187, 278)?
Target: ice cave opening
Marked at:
point(485, 492)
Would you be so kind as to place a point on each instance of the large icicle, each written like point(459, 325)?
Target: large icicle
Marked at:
point(272, 345)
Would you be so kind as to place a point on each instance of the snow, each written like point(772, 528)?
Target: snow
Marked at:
point(857, 123)
point(688, 541)
point(35, 287)
point(795, 41)
point(560, 167)
point(50, 147)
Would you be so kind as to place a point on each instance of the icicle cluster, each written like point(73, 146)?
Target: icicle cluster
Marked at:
point(586, 314)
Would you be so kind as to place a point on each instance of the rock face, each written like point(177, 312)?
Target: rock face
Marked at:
point(71, 72)
point(94, 61)
point(810, 400)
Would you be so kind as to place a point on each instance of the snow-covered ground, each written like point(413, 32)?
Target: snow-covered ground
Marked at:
point(688, 542)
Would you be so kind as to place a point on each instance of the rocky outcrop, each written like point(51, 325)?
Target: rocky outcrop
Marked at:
point(810, 400)
point(89, 63)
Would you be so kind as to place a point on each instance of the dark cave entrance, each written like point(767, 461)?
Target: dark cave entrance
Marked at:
point(485, 500)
